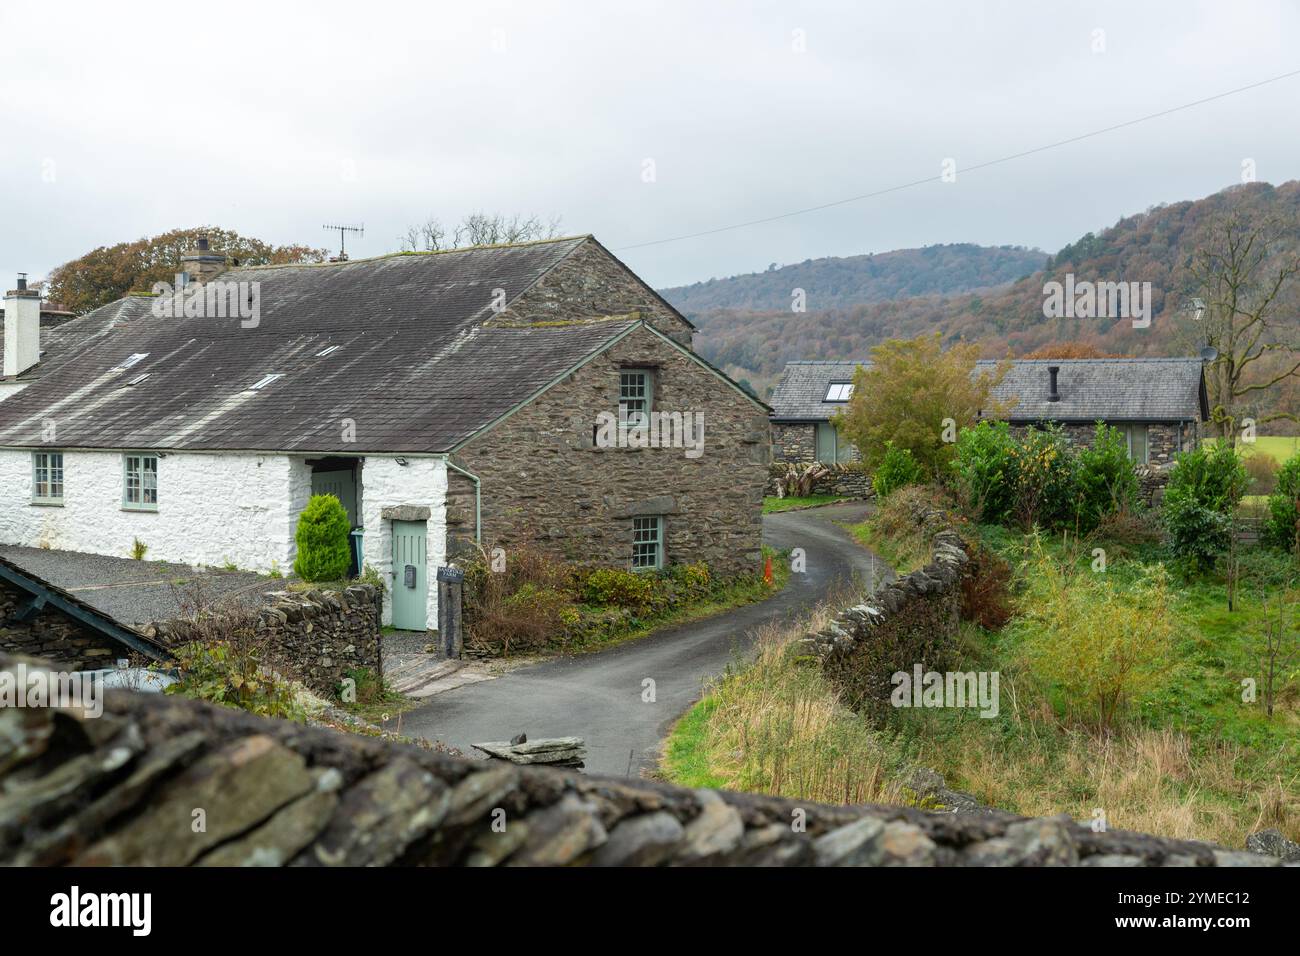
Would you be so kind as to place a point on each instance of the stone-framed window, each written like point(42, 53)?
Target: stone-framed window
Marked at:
point(832, 447)
point(140, 481)
point(47, 477)
point(1138, 446)
point(635, 394)
point(647, 543)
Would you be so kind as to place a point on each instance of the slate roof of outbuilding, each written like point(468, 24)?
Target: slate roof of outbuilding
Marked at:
point(1113, 390)
point(798, 396)
point(416, 369)
point(55, 599)
point(1141, 389)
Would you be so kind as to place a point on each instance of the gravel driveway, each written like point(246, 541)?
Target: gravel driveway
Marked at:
point(138, 592)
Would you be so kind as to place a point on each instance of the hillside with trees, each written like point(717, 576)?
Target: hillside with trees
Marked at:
point(106, 274)
point(1158, 246)
point(841, 282)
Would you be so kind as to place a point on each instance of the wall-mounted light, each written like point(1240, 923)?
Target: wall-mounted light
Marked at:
point(400, 461)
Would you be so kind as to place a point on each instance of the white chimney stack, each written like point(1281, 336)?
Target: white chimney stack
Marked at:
point(22, 328)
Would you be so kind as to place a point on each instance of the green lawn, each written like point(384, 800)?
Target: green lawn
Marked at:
point(790, 504)
point(1278, 447)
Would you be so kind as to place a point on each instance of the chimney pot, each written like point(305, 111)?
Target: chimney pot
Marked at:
point(203, 243)
point(1052, 394)
point(22, 282)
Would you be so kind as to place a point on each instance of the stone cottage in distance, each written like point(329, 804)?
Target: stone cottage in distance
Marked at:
point(447, 398)
point(1160, 404)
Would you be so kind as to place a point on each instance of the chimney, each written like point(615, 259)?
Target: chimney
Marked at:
point(22, 328)
point(1052, 394)
point(203, 264)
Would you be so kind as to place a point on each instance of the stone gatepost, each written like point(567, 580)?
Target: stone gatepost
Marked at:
point(450, 588)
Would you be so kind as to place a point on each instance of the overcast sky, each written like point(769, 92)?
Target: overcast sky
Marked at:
point(125, 120)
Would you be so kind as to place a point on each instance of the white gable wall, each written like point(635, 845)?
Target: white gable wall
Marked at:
point(212, 509)
point(386, 484)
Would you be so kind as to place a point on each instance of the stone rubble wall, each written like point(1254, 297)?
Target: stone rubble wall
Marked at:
point(317, 635)
point(908, 621)
point(844, 481)
point(548, 485)
point(121, 790)
point(52, 635)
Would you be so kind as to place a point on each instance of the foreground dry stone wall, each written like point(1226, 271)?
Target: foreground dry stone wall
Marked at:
point(123, 789)
point(912, 620)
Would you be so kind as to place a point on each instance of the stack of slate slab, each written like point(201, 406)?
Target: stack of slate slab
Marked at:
point(566, 752)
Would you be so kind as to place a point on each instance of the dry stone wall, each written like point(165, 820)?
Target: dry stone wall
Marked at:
point(912, 620)
point(121, 790)
point(317, 635)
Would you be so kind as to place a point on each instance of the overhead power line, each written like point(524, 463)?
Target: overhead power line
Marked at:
point(965, 169)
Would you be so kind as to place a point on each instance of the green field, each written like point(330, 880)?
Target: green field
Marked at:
point(1277, 447)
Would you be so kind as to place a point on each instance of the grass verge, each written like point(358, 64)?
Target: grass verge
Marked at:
point(1190, 760)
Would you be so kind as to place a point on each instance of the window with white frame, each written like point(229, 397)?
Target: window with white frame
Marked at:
point(647, 543)
point(47, 477)
point(635, 394)
point(140, 482)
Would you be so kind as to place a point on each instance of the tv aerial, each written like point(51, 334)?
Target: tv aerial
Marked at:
point(343, 230)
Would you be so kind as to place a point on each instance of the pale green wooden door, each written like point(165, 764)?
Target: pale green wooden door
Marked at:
point(410, 576)
point(342, 484)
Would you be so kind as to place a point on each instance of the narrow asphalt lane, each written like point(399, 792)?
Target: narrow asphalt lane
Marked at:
point(599, 696)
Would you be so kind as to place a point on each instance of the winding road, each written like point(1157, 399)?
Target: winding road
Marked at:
point(598, 696)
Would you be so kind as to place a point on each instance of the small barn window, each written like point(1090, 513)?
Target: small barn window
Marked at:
point(140, 482)
point(832, 447)
point(647, 543)
point(1138, 449)
point(47, 477)
point(635, 394)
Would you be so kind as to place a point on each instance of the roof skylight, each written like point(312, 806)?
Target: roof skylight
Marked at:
point(265, 381)
point(133, 359)
point(328, 351)
point(838, 392)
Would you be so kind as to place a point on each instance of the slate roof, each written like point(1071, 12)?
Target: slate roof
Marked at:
point(1113, 390)
point(1136, 390)
point(416, 370)
point(798, 396)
